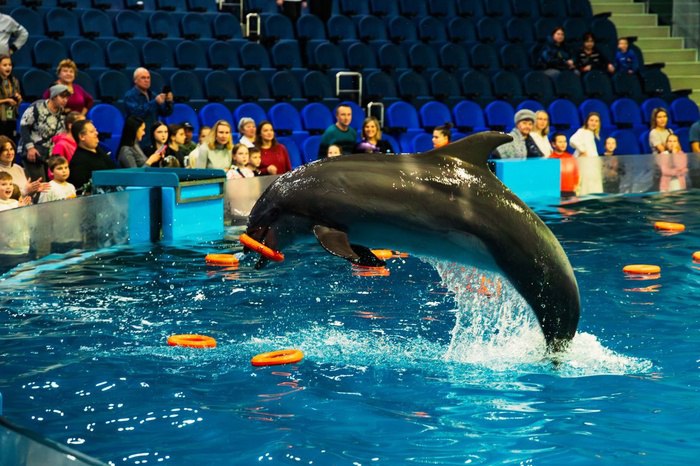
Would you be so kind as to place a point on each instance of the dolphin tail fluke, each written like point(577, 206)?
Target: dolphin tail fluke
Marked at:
point(336, 242)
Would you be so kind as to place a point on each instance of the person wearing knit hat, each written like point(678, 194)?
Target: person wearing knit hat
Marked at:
point(522, 146)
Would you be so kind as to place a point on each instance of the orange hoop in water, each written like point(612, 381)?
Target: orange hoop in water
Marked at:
point(274, 358)
point(641, 269)
point(383, 254)
point(221, 259)
point(260, 248)
point(192, 341)
point(696, 256)
point(669, 226)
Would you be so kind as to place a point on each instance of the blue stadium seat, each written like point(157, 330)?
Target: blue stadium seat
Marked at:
point(422, 59)
point(213, 112)
point(380, 87)
point(402, 29)
point(544, 27)
point(310, 27)
point(684, 138)
point(413, 88)
point(329, 58)
point(462, 30)
point(353, 7)
point(574, 29)
point(295, 157)
point(370, 29)
point(108, 120)
point(47, 53)
point(601, 108)
point(285, 87)
point(579, 8)
point(315, 118)
point(434, 114)
point(226, 27)
point(497, 8)
point(122, 54)
point(597, 85)
point(254, 57)
point(628, 85)
point(183, 113)
point(317, 87)
point(627, 142)
point(655, 83)
point(402, 117)
point(96, 23)
point(112, 86)
point(432, 30)
point(413, 8)
point(506, 86)
point(514, 58)
point(626, 114)
point(61, 22)
point(392, 59)
point(476, 86)
point(360, 57)
point(555, 9)
point(648, 106)
point(202, 6)
point(341, 28)
point(490, 31)
point(190, 55)
point(310, 149)
point(384, 8)
point(253, 88)
point(129, 24)
point(223, 55)
point(162, 25)
point(469, 8)
point(194, 26)
point(219, 86)
point(527, 9)
point(261, 6)
point(187, 87)
point(442, 9)
point(685, 111)
point(422, 142)
point(499, 115)
point(250, 110)
point(34, 82)
point(444, 87)
point(468, 117)
point(519, 30)
point(484, 57)
point(454, 59)
point(87, 55)
point(158, 55)
point(563, 115)
point(567, 85)
point(276, 27)
point(529, 104)
point(30, 19)
point(87, 82)
point(605, 33)
point(538, 86)
point(286, 121)
point(285, 55)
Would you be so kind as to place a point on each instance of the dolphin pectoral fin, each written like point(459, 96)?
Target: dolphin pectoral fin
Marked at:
point(336, 242)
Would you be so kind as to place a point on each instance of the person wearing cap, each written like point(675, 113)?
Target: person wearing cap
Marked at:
point(42, 120)
point(142, 102)
point(247, 128)
point(189, 144)
point(522, 146)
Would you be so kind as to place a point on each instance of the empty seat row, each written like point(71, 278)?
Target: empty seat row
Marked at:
point(116, 5)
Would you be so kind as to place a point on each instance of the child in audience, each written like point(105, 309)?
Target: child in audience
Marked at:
point(254, 160)
point(7, 187)
point(334, 150)
point(611, 167)
point(569, 168)
point(60, 188)
point(240, 169)
point(673, 163)
point(626, 60)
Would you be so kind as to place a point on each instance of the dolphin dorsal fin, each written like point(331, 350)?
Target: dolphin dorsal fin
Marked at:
point(474, 149)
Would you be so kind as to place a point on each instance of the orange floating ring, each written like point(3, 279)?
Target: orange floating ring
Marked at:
point(669, 226)
point(696, 256)
point(383, 254)
point(260, 248)
point(192, 341)
point(221, 259)
point(275, 358)
point(641, 269)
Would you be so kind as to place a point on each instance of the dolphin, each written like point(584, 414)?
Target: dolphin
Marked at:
point(444, 203)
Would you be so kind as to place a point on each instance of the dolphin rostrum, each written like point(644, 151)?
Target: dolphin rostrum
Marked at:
point(444, 203)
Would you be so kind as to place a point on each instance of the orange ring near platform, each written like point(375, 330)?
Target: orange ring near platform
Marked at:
point(274, 358)
point(260, 248)
point(696, 256)
point(669, 226)
point(641, 269)
point(221, 259)
point(383, 254)
point(192, 341)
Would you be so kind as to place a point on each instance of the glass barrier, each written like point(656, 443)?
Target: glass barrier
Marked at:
point(20, 446)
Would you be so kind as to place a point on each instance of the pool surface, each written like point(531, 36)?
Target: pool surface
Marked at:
point(432, 364)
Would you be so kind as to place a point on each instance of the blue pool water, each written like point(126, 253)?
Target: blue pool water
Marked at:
point(433, 364)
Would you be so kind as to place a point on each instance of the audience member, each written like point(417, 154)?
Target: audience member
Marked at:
point(63, 143)
point(41, 121)
point(12, 35)
point(10, 98)
point(204, 132)
point(142, 102)
point(372, 138)
point(88, 157)
point(626, 60)
point(694, 137)
point(584, 141)
point(254, 160)
point(611, 167)
point(540, 133)
point(80, 100)
point(26, 186)
point(176, 140)
point(189, 144)
point(60, 187)
point(160, 133)
point(589, 57)
point(130, 153)
point(673, 163)
point(442, 135)
point(203, 135)
point(659, 130)
point(247, 129)
point(569, 168)
point(334, 151)
point(239, 168)
point(216, 153)
point(340, 133)
point(554, 56)
point(274, 155)
point(522, 146)
point(6, 190)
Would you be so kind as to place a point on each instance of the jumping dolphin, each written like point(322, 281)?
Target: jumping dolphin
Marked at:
point(444, 203)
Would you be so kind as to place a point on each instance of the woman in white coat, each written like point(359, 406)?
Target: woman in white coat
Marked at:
point(589, 166)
